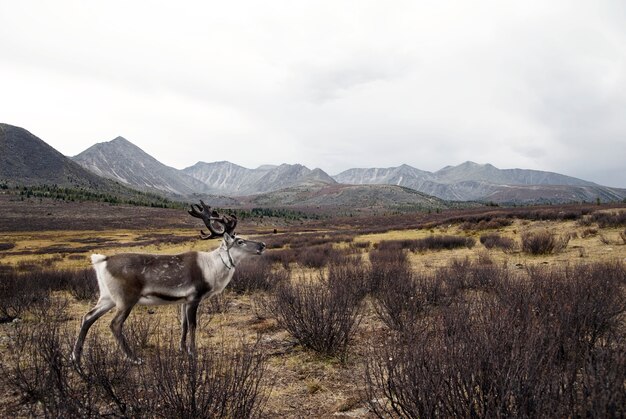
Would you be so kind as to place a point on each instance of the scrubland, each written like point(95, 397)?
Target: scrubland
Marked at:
point(488, 312)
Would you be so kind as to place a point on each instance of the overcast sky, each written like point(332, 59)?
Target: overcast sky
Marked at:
point(329, 84)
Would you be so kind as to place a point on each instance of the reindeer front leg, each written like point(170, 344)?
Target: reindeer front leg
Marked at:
point(183, 323)
point(191, 311)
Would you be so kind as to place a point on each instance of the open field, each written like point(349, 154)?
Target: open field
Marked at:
point(452, 315)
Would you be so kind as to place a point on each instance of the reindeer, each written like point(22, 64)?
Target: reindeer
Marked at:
point(128, 279)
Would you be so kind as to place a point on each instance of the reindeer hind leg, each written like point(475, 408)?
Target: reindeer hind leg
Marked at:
point(117, 323)
point(100, 309)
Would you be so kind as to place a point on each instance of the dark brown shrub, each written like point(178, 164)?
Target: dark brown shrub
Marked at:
point(36, 366)
point(19, 292)
point(386, 265)
point(316, 256)
point(6, 246)
point(397, 300)
point(428, 243)
point(543, 242)
point(609, 219)
point(256, 275)
point(229, 382)
point(285, 257)
point(494, 224)
point(463, 274)
point(350, 273)
point(537, 347)
point(82, 284)
point(494, 240)
point(320, 315)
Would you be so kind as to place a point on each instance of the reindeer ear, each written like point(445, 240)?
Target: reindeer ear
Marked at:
point(227, 239)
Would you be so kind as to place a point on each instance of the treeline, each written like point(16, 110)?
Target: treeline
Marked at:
point(286, 214)
point(81, 194)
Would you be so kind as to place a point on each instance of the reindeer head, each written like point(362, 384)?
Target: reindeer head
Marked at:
point(217, 225)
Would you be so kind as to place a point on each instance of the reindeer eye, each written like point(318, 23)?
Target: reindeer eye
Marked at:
point(240, 242)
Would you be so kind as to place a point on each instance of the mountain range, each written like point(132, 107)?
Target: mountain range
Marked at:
point(26, 159)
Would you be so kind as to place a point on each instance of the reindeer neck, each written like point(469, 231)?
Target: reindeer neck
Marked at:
point(228, 262)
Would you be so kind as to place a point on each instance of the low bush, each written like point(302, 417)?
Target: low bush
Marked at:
point(82, 284)
point(543, 242)
point(256, 275)
point(494, 240)
point(19, 292)
point(321, 315)
point(6, 246)
point(428, 243)
point(316, 256)
point(387, 264)
point(228, 382)
point(492, 224)
point(548, 344)
point(609, 218)
point(224, 381)
point(403, 300)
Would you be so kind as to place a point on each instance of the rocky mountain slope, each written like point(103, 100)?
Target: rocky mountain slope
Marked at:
point(26, 159)
point(232, 180)
point(121, 160)
point(349, 197)
point(484, 182)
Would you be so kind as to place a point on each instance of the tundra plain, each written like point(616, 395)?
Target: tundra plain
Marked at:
point(420, 314)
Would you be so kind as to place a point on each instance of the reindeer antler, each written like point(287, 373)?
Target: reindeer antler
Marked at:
point(218, 225)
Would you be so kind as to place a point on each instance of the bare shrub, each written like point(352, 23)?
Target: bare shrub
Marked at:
point(402, 302)
point(36, 366)
point(494, 240)
point(428, 243)
point(622, 235)
point(609, 219)
point(229, 382)
point(316, 256)
point(351, 274)
point(387, 264)
point(49, 308)
point(463, 274)
point(585, 302)
point(285, 257)
point(6, 246)
point(215, 305)
point(535, 347)
point(256, 275)
point(19, 292)
point(321, 315)
point(82, 284)
point(397, 302)
point(118, 389)
point(139, 329)
point(543, 242)
point(485, 224)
